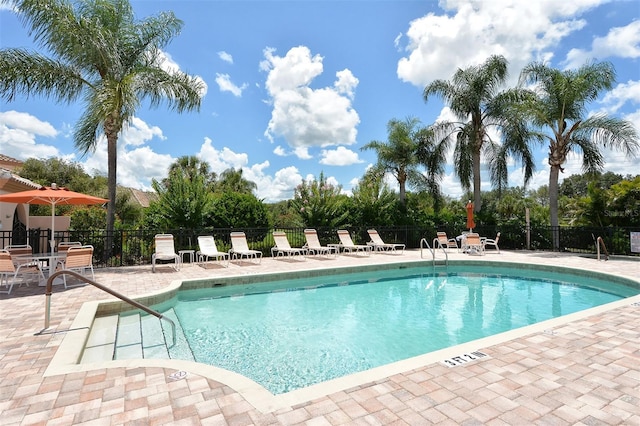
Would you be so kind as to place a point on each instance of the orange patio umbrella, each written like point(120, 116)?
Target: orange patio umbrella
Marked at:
point(53, 196)
point(470, 223)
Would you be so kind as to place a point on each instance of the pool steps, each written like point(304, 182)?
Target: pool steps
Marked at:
point(132, 337)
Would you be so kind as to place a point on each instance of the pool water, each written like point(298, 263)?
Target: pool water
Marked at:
point(291, 334)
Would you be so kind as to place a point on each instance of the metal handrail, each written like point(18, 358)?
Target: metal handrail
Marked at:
point(433, 251)
point(600, 242)
point(122, 297)
point(446, 255)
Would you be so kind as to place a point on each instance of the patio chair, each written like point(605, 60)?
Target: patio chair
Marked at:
point(165, 250)
point(79, 259)
point(347, 244)
point(314, 247)
point(18, 250)
point(10, 274)
point(441, 240)
point(63, 246)
point(207, 249)
point(283, 248)
point(490, 242)
point(473, 244)
point(240, 248)
point(379, 245)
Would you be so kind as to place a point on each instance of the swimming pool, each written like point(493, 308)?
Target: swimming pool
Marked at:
point(290, 334)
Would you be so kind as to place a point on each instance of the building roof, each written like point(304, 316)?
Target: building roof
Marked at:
point(11, 182)
point(9, 163)
point(141, 197)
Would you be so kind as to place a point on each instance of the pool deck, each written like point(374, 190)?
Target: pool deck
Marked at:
point(581, 370)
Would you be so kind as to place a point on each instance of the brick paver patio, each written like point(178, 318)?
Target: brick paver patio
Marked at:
point(585, 371)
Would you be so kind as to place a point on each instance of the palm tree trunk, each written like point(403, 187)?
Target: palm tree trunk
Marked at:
point(112, 156)
point(477, 193)
point(553, 205)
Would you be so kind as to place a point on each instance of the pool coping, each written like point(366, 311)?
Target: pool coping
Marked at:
point(73, 344)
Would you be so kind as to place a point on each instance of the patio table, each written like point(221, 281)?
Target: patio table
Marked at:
point(48, 259)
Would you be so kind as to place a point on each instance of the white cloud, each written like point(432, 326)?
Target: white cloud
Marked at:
point(18, 133)
point(280, 151)
point(221, 160)
point(302, 153)
point(225, 56)
point(622, 42)
point(346, 83)
point(620, 95)
point(225, 85)
point(137, 133)
point(340, 156)
point(305, 117)
point(471, 31)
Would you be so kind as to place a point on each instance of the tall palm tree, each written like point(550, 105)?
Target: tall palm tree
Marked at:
point(559, 115)
point(102, 55)
point(398, 155)
point(474, 96)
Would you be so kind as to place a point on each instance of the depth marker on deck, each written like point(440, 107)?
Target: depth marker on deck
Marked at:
point(463, 359)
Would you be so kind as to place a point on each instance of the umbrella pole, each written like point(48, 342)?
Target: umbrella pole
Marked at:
point(52, 243)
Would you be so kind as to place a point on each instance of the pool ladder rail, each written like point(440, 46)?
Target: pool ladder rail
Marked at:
point(425, 244)
point(122, 297)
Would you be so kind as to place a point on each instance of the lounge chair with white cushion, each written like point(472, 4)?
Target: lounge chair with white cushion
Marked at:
point(165, 250)
point(240, 248)
point(283, 248)
point(313, 244)
point(379, 245)
point(347, 244)
point(207, 249)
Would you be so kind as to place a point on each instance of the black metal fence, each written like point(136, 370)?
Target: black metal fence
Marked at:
point(135, 247)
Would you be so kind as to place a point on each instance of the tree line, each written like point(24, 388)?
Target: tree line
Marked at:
point(192, 197)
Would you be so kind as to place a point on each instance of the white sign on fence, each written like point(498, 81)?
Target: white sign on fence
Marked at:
point(635, 242)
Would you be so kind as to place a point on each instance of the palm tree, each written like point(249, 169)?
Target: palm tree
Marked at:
point(231, 180)
point(398, 155)
point(558, 114)
point(193, 167)
point(473, 96)
point(102, 55)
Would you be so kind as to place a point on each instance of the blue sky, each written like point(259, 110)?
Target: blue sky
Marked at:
point(296, 88)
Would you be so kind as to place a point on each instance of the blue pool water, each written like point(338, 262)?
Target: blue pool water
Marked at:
point(291, 334)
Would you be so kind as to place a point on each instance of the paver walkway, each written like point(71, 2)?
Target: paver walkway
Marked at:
point(582, 372)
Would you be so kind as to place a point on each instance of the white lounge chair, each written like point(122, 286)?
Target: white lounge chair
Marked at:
point(11, 274)
point(240, 248)
point(441, 240)
point(165, 250)
point(347, 244)
point(313, 244)
point(379, 245)
point(490, 242)
point(207, 249)
point(283, 248)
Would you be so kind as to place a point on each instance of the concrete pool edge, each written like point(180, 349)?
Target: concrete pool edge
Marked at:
point(74, 341)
